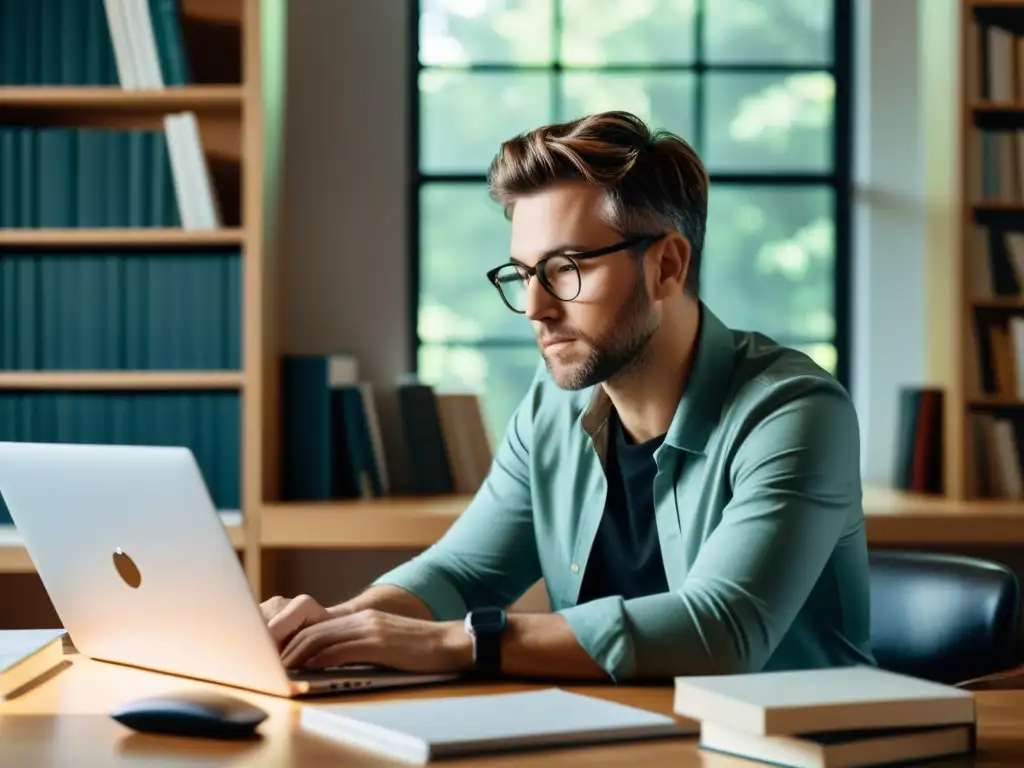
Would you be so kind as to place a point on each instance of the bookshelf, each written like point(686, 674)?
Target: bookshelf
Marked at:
point(80, 86)
point(986, 409)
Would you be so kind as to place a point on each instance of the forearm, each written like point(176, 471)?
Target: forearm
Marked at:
point(534, 645)
point(386, 598)
point(543, 645)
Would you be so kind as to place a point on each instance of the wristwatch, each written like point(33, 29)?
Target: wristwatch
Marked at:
point(485, 626)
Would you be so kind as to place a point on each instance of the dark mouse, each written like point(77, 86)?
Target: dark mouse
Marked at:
point(192, 713)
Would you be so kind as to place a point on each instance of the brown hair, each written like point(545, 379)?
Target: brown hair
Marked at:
point(654, 180)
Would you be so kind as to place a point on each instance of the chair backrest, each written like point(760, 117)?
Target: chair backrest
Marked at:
point(943, 617)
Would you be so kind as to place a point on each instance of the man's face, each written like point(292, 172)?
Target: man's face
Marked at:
point(607, 327)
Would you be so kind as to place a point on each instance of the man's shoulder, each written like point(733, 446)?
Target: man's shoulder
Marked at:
point(767, 376)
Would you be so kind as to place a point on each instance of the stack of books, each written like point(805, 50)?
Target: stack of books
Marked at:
point(825, 718)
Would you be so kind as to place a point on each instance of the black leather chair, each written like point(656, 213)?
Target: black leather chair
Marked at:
point(943, 617)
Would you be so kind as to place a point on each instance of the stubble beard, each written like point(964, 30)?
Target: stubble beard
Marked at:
point(623, 353)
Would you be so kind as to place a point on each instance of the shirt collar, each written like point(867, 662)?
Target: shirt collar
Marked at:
point(706, 387)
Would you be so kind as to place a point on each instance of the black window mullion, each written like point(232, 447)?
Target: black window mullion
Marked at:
point(413, 187)
point(646, 67)
point(842, 148)
point(697, 140)
point(556, 59)
point(766, 179)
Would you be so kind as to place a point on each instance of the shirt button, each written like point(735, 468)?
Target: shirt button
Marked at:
point(575, 568)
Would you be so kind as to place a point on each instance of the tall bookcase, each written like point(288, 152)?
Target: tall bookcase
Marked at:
point(183, 317)
point(986, 429)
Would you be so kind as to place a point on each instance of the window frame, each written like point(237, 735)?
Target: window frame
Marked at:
point(839, 179)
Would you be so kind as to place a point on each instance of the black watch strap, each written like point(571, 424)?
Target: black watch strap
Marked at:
point(487, 658)
point(487, 626)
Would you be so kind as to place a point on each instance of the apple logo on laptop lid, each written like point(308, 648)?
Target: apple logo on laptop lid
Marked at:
point(126, 569)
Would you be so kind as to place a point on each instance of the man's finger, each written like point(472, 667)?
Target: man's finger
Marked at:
point(359, 651)
point(292, 618)
point(272, 607)
point(312, 640)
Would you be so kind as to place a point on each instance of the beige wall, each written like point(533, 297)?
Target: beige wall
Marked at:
point(345, 225)
point(344, 197)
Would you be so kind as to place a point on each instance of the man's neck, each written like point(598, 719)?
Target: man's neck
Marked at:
point(646, 399)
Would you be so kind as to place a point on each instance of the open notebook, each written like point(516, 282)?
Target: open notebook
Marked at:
point(421, 730)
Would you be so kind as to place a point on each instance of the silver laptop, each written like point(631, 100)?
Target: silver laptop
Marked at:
point(141, 571)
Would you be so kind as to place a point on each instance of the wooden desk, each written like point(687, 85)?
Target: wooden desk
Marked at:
point(64, 721)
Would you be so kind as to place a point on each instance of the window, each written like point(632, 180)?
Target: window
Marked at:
point(759, 87)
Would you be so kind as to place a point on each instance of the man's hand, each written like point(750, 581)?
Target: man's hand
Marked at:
point(382, 639)
point(286, 616)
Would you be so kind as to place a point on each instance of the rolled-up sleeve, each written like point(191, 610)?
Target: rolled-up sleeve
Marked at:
point(488, 557)
point(796, 485)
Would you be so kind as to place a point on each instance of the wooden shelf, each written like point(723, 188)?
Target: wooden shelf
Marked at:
point(999, 302)
point(194, 97)
point(994, 206)
point(998, 106)
point(121, 380)
point(892, 518)
point(138, 236)
point(897, 518)
point(995, 401)
point(14, 557)
point(393, 523)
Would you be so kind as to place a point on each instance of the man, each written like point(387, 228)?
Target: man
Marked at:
point(690, 494)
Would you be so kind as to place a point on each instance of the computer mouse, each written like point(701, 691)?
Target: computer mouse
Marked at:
point(203, 714)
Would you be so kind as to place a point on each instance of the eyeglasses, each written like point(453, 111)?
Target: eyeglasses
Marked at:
point(559, 273)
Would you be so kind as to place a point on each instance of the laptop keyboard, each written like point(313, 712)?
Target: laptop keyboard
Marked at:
point(333, 673)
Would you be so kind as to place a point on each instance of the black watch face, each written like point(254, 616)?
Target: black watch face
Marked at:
point(488, 619)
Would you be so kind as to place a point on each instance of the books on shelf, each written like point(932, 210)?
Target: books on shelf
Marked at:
point(193, 185)
point(919, 440)
point(995, 63)
point(147, 307)
point(331, 441)
point(420, 731)
point(54, 176)
point(857, 715)
point(57, 176)
point(997, 442)
point(148, 44)
point(133, 44)
point(995, 362)
point(26, 655)
point(333, 446)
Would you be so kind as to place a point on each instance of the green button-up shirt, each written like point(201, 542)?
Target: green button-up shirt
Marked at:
point(759, 517)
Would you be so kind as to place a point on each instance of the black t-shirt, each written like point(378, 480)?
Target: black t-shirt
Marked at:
point(626, 556)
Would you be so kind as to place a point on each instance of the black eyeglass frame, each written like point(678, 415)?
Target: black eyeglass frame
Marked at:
point(537, 270)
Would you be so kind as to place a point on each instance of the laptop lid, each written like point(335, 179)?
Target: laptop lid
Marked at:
point(137, 562)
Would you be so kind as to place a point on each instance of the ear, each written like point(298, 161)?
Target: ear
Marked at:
point(672, 264)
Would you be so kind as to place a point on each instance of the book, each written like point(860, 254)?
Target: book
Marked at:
point(422, 730)
point(817, 700)
point(841, 749)
point(27, 654)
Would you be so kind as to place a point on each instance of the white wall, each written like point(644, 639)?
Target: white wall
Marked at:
point(889, 303)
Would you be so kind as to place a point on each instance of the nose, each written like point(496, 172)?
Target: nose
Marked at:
point(540, 305)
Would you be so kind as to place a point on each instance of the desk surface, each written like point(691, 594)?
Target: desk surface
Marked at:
point(63, 721)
